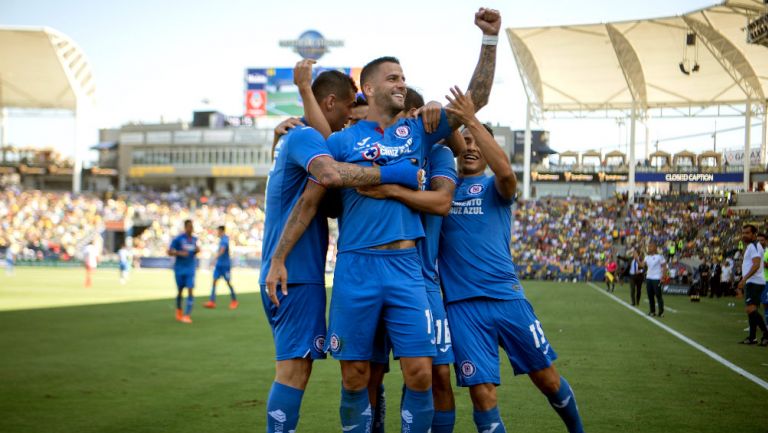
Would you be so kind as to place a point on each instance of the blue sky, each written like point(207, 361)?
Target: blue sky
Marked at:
point(154, 59)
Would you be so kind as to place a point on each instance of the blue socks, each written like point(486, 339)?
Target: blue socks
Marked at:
point(355, 411)
point(489, 421)
point(179, 297)
point(564, 403)
point(380, 411)
point(213, 292)
point(443, 421)
point(231, 291)
point(283, 408)
point(417, 411)
point(190, 303)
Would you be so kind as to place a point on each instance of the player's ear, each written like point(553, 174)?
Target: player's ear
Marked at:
point(329, 102)
point(367, 89)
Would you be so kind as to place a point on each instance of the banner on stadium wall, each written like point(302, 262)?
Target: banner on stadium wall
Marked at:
point(736, 156)
point(690, 177)
point(271, 92)
point(569, 176)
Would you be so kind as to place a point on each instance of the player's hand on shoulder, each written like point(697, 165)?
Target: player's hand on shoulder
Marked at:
point(430, 115)
point(489, 21)
point(286, 125)
point(461, 105)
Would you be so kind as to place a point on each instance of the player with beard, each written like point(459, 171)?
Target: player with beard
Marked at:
point(381, 238)
point(484, 299)
point(433, 203)
point(298, 321)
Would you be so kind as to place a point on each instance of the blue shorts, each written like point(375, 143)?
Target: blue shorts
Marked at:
point(298, 325)
point(374, 285)
point(221, 272)
point(382, 346)
point(480, 325)
point(185, 280)
point(764, 295)
point(123, 267)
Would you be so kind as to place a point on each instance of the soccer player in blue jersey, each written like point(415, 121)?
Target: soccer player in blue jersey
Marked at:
point(223, 269)
point(380, 238)
point(434, 203)
point(302, 160)
point(184, 248)
point(485, 301)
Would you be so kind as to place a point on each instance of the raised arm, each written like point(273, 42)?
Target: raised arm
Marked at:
point(489, 21)
point(302, 77)
point(462, 107)
point(299, 219)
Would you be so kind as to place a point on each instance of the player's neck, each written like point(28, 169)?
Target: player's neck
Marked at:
point(384, 118)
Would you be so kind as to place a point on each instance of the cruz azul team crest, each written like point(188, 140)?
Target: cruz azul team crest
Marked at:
point(403, 131)
point(475, 189)
point(372, 152)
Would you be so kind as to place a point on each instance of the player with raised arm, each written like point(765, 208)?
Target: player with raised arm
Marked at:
point(298, 321)
point(382, 235)
point(184, 248)
point(223, 269)
point(485, 300)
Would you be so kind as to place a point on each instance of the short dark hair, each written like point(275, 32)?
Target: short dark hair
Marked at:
point(413, 99)
point(486, 126)
point(333, 82)
point(187, 222)
point(752, 228)
point(763, 235)
point(373, 65)
point(222, 228)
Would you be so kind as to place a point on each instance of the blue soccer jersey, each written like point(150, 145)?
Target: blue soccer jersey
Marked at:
point(376, 222)
point(223, 261)
point(184, 264)
point(475, 259)
point(440, 163)
point(287, 179)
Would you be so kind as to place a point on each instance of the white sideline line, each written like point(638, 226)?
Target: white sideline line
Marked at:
point(695, 345)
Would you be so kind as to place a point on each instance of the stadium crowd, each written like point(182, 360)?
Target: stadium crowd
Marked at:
point(553, 239)
point(37, 225)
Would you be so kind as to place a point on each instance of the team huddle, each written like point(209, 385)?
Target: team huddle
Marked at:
point(423, 242)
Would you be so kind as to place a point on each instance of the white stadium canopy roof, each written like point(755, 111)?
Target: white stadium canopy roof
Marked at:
point(41, 68)
point(611, 66)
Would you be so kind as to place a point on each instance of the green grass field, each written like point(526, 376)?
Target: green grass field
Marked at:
point(112, 359)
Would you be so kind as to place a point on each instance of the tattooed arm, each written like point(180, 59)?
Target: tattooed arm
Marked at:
point(334, 174)
point(299, 219)
point(436, 201)
point(489, 21)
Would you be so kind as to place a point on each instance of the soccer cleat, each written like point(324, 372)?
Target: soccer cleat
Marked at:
point(661, 315)
point(233, 305)
point(186, 319)
point(764, 341)
point(209, 304)
point(652, 314)
point(179, 314)
point(748, 341)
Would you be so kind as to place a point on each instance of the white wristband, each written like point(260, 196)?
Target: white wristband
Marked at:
point(490, 40)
